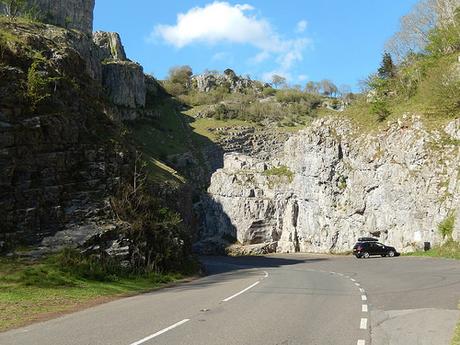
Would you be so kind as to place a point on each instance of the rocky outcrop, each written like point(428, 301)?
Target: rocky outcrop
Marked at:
point(124, 82)
point(228, 80)
point(60, 156)
point(332, 186)
point(70, 14)
point(110, 45)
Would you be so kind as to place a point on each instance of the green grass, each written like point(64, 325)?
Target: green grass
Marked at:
point(456, 337)
point(203, 127)
point(450, 250)
point(32, 291)
point(281, 171)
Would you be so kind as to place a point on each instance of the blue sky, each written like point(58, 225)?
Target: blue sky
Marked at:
point(341, 40)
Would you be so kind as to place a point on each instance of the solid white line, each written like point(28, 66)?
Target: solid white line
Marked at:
point(364, 308)
point(361, 342)
point(160, 332)
point(363, 324)
point(239, 293)
point(363, 298)
point(266, 274)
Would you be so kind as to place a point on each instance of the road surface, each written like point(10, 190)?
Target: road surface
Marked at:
point(276, 300)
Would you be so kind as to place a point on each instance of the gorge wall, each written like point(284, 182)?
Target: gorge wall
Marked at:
point(332, 185)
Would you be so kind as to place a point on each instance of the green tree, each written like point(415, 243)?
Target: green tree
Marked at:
point(13, 8)
point(278, 80)
point(180, 75)
point(387, 68)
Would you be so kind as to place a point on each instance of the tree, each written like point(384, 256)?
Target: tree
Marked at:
point(387, 68)
point(278, 80)
point(416, 26)
point(180, 75)
point(12, 8)
point(328, 87)
point(312, 87)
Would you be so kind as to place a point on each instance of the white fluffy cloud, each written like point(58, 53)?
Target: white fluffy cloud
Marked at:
point(301, 26)
point(222, 22)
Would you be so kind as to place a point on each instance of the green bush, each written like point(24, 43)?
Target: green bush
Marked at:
point(280, 171)
point(38, 84)
point(446, 227)
point(380, 109)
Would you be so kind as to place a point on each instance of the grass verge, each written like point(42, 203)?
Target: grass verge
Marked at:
point(456, 338)
point(34, 291)
point(449, 250)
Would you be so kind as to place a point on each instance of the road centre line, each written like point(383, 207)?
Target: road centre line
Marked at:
point(363, 298)
point(363, 324)
point(164, 330)
point(364, 308)
point(242, 291)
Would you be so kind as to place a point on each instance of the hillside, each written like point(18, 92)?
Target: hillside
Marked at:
point(87, 135)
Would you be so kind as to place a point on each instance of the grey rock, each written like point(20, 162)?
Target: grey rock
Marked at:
point(398, 185)
point(125, 85)
point(110, 44)
point(70, 14)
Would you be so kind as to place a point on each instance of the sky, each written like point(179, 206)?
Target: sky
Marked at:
point(302, 40)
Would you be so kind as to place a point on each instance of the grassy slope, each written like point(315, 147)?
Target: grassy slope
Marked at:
point(36, 291)
point(430, 100)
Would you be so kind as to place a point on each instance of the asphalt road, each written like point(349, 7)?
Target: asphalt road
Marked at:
point(276, 300)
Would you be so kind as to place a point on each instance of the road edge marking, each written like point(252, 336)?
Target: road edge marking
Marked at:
point(164, 330)
point(239, 293)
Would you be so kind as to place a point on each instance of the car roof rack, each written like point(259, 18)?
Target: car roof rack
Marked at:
point(367, 239)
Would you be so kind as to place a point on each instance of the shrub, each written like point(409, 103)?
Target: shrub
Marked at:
point(280, 171)
point(446, 227)
point(38, 84)
point(380, 109)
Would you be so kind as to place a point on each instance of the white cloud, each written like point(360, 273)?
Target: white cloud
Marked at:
point(222, 22)
point(302, 77)
point(301, 26)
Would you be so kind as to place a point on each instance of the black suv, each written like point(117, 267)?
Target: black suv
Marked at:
point(366, 248)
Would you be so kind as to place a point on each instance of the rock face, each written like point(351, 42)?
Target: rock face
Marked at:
point(332, 186)
point(70, 14)
point(229, 80)
point(110, 44)
point(124, 80)
point(125, 85)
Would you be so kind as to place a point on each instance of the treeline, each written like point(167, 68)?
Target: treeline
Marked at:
point(258, 102)
point(420, 62)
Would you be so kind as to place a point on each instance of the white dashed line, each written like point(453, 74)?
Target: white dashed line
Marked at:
point(363, 298)
point(353, 280)
point(363, 324)
point(364, 308)
point(361, 289)
point(357, 284)
point(160, 332)
point(361, 342)
point(239, 293)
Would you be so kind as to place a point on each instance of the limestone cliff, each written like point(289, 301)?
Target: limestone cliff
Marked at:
point(331, 186)
point(70, 14)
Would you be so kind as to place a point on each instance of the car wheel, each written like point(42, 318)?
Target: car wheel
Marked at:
point(366, 255)
point(391, 253)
